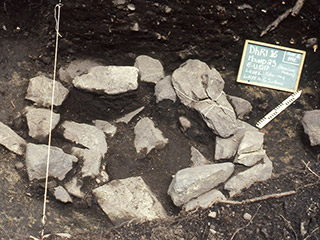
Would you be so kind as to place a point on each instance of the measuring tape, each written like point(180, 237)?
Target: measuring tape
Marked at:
point(276, 111)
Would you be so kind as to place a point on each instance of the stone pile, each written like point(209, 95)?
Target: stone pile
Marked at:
point(198, 87)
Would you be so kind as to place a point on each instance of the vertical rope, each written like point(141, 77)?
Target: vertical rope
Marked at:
point(57, 20)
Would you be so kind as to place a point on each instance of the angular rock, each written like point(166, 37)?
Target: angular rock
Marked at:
point(311, 126)
point(185, 123)
point(251, 158)
point(205, 200)
point(226, 148)
point(127, 199)
point(251, 142)
point(218, 115)
point(103, 177)
point(76, 68)
point(197, 159)
point(164, 90)
point(245, 179)
point(61, 194)
point(91, 161)
point(38, 120)
point(106, 127)
point(150, 69)
point(10, 140)
point(189, 183)
point(241, 106)
point(108, 79)
point(128, 117)
point(40, 90)
point(74, 188)
point(36, 162)
point(147, 136)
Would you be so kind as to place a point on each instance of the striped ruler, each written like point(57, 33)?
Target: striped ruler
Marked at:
point(276, 111)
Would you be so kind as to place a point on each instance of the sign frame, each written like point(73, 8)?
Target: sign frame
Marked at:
point(285, 49)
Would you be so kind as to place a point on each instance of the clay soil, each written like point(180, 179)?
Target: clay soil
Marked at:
point(212, 31)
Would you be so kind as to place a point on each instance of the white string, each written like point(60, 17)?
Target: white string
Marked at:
point(57, 20)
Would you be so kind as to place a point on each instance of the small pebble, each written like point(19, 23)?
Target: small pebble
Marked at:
point(135, 27)
point(247, 216)
point(212, 214)
point(131, 7)
point(19, 165)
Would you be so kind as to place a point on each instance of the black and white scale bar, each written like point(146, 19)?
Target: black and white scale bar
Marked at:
point(282, 106)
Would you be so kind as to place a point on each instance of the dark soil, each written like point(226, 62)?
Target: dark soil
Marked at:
point(212, 31)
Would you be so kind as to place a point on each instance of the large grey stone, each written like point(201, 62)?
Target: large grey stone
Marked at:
point(147, 136)
point(127, 199)
point(311, 126)
point(252, 141)
point(205, 200)
point(108, 79)
point(164, 90)
point(197, 159)
point(106, 127)
point(76, 68)
point(36, 162)
point(128, 117)
point(251, 158)
point(61, 194)
point(40, 91)
point(38, 120)
point(90, 137)
point(189, 183)
point(241, 106)
point(74, 187)
point(150, 69)
point(245, 179)
point(11, 140)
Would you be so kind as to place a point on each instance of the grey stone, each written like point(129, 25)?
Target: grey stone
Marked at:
point(135, 27)
point(241, 106)
point(19, 165)
point(36, 162)
point(251, 142)
point(185, 123)
point(247, 216)
point(11, 140)
point(244, 6)
point(147, 136)
point(61, 194)
point(128, 117)
point(40, 91)
point(245, 179)
point(74, 188)
point(218, 115)
point(108, 79)
point(106, 127)
point(76, 68)
point(38, 120)
point(251, 158)
point(205, 200)
point(150, 69)
point(164, 90)
point(119, 2)
point(197, 159)
point(90, 137)
point(189, 183)
point(215, 84)
point(311, 126)
point(227, 148)
point(127, 199)
point(103, 177)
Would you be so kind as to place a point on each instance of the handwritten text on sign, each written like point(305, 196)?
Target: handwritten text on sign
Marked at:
point(271, 66)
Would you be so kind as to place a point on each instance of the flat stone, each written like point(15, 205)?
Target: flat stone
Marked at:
point(76, 68)
point(189, 183)
point(251, 158)
point(127, 199)
point(150, 69)
point(197, 159)
point(241, 106)
point(245, 179)
point(108, 79)
point(38, 120)
point(147, 136)
point(74, 188)
point(128, 117)
point(40, 91)
point(205, 200)
point(311, 126)
point(252, 141)
point(163, 90)
point(61, 194)
point(106, 127)
point(36, 162)
point(11, 140)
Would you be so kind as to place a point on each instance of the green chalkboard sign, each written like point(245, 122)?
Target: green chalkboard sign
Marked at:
point(271, 66)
